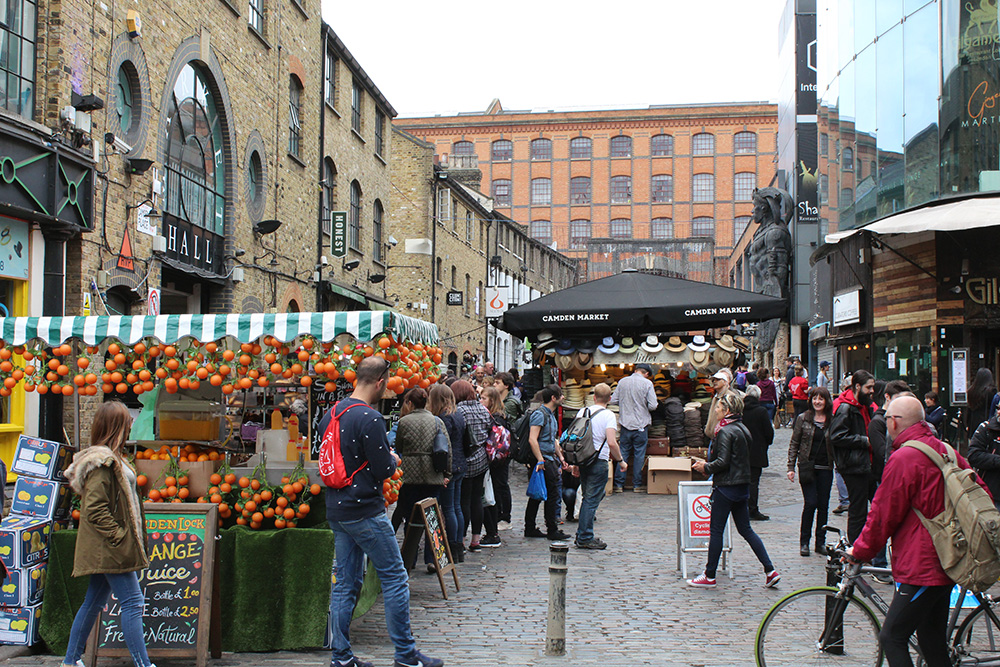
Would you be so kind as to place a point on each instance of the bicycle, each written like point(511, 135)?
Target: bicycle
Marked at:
point(832, 625)
point(785, 414)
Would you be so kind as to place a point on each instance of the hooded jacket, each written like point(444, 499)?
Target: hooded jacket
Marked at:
point(910, 481)
point(758, 422)
point(984, 454)
point(112, 535)
point(849, 435)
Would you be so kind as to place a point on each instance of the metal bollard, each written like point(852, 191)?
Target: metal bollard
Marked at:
point(555, 631)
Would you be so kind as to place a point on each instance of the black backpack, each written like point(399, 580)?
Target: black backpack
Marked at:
point(520, 441)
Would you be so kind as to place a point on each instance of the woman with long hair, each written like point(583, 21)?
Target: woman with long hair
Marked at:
point(111, 542)
point(441, 403)
point(477, 426)
point(414, 444)
point(810, 449)
point(490, 398)
point(981, 393)
point(798, 387)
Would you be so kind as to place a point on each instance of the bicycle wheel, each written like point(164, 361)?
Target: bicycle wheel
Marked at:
point(977, 640)
point(791, 631)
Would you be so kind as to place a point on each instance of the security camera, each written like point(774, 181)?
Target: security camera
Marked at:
point(323, 261)
point(120, 145)
point(392, 242)
point(351, 265)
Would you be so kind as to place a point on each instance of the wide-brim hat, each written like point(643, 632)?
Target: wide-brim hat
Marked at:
point(584, 361)
point(545, 340)
point(726, 343)
point(565, 347)
point(699, 358)
point(652, 345)
point(564, 361)
point(723, 357)
point(628, 346)
point(608, 346)
point(699, 344)
point(675, 344)
point(586, 346)
point(742, 343)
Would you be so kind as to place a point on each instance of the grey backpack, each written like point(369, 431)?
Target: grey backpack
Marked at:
point(577, 441)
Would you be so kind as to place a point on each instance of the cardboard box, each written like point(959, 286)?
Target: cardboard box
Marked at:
point(40, 498)
point(198, 474)
point(45, 459)
point(24, 541)
point(23, 587)
point(658, 447)
point(19, 626)
point(665, 472)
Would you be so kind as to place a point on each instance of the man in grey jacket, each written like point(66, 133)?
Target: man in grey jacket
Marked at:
point(635, 398)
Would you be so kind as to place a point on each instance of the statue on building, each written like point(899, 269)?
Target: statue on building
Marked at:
point(771, 252)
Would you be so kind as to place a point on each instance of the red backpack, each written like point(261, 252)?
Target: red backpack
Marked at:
point(332, 469)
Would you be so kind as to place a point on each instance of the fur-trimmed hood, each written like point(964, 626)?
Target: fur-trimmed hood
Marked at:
point(85, 461)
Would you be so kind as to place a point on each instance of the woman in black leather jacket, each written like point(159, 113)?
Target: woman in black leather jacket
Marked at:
point(729, 465)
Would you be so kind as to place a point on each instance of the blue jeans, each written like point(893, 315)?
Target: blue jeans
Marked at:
point(842, 497)
point(451, 505)
point(722, 507)
point(125, 586)
point(770, 407)
point(633, 444)
point(373, 537)
point(593, 479)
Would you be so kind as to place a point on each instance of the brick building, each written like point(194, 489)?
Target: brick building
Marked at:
point(656, 174)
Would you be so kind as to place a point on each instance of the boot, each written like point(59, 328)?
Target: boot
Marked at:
point(457, 551)
point(820, 547)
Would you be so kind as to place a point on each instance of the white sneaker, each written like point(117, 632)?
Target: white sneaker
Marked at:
point(78, 663)
point(504, 525)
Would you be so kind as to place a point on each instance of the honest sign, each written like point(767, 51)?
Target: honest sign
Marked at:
point(338, 242)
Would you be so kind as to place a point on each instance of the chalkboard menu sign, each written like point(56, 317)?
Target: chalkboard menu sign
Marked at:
point(322, 401)
point(177, 585)
point(427, 525)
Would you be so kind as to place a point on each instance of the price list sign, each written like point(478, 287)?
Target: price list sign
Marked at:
point(177, 585)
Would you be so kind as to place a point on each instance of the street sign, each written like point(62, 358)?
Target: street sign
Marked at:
point(338, 243)
point(694, 522)
point(86, 303)
point(497, 301)
point(455, 298)
point(153, 302)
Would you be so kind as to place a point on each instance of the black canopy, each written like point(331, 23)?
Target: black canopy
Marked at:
point(636, 303)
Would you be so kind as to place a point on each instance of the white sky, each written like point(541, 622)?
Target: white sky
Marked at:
point(447, 56)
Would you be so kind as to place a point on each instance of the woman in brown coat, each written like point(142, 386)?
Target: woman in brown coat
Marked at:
point(810, 450)
point(111, 543)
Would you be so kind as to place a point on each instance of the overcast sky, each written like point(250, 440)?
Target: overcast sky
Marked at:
point(448, 56)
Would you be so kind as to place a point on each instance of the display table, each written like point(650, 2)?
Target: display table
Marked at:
point(275, 589)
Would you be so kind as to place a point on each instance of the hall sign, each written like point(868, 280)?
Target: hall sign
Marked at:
point(193, 245)
point(847, 308)
point(983, 291)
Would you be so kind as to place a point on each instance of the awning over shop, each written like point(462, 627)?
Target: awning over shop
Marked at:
point(948, 215)
point(363, 325)
point(636, 303)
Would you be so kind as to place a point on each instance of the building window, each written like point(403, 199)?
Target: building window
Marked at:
point(621, 228)
point(874, 172)
point(703, 188)
point(662, 228)
point(579, 191)
point(444, 205)
point(329, 194)
point(255, 16)
point(824, 143)
point(17, 56)
point(463, 148)
point(621, 189)
point(662, 145)
point(440, 271)
point(621, 146)
point(501, 192)
point(128, 104)
point(379, 133)
point(703, 144)
point(541, 149)
point(541, 231)
point(739, 226)
point(294, 115)
point(356, 101)
point(579, 232)
point(745, 143)
point(744, 185)
point(454, 276)
point(824, 188)
point(848, 159)
point(377, 247)
point(541, 191)
point(703, 226)
point(330, 79)
point(663, 189)
point(468, 293)
point(846, 197)
point(354, 220)
point(503, 150)
point(469, 230)
point(580, 148)
point(255, 180)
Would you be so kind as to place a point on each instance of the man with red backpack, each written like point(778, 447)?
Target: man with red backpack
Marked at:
point(356, 513)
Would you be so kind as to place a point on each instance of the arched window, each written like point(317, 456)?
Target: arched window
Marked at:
point(354, 218)
point(503, 150)
point(621, 189)
point(703, 226)
point(663, 189)
point(847, 159)
point(463, 148)
point(294, 115)
point(846, 197)
point(743, 185)
point(195, 163)
point(580, 148)
point(744, 143)
point(579, 191)
point(541, 231)
point(703, 188)
point(621, 228)
point(501, 192)
point(739, 226)
point(662, 228)
point(541, 149)
point(377, 247)
point(329, 194)
point(661, 145)
point(703, 144)
point(541, 191)
point(621, 146)
point(579, 232)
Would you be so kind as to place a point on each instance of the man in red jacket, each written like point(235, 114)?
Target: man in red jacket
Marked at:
point(911, 481)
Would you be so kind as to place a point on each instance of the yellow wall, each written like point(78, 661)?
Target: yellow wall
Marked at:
point(9, 433)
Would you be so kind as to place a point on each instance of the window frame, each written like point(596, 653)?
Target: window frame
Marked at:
point(541, 191)
point(329, 190)
point(295, 90)
point(255, 16)
point(739, 230)
point(379, 132)
point(665, 223)
point(747, 147)
point(700, 194)
point(533, 228)
point(581, 196)
point(575, 143)
point(463, 143)
point(541, 149)
point(507, 199)
point(330, 78)
point(23, 102)
point(378, 249)
point(847, 158)
point(665, 148)
point(702, 144)
point(662, 194)
point(508, 151)
point(617, 143)
point(357, 106)
point(703, 219)
point(578, 240)
point(618, 198)
point(623, 225)
point(354, 218)
point(739, 185)
point(443, 207)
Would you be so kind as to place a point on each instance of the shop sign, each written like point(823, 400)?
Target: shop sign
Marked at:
point(192, 245)
point(847, 308)
point(497, 301)
point(143, 223)
point(455, 298)
point(959, 375)
point(338, 241)
point(983, 291)
point(13, 248)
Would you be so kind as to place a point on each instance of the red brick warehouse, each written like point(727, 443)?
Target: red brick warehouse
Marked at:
point(661, 174)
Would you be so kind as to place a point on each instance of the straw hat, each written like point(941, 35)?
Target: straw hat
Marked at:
point(675, 344)
point(545, 340)
point(699, 358)
point(608, 345)
point(742, 342)
point(565, 346)
point(723, 357)
point(628, 346)
point(584, 361)
point(726, 343)
point(652, 345)
point(699, 344)
point(564, 361)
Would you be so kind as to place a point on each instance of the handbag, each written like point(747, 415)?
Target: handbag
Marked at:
point(469, 440)
point(489, 498)
point(536, 485)
point(441, 449)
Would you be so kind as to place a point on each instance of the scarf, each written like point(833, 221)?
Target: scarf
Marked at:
point(725, 421)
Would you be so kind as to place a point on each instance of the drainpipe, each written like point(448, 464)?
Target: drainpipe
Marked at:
point(50, 417)
point(320, 296)
point(434, 244)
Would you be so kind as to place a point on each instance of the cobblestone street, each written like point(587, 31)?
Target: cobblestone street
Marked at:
point(627, 605)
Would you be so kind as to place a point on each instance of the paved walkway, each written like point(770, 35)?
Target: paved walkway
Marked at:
point(625, 606)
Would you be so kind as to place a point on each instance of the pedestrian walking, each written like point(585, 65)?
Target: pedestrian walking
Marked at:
point(635, 398)
point(729, 465)
point(823, 378)
point(756, 420)
point(980, 398)
point(851, 448)
point(768, 392)
point(935, 413)
point(477, 429)
point(499, 429)
point(441, 403)
point(594, 477)
point(111, 542)
point(984, 453)
point(500, 473)
point(543, 435)
point(798, 387)
point(356, 514)
point(810, 450)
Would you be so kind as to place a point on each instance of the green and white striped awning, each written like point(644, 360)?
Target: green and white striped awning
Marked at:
point(363, 325)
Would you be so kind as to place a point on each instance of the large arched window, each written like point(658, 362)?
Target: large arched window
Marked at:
point(621, 228)
point(621, 146)
point(580, 148)
point(579, 190)
point(195, 161)
point(662, 228)
point(703, 144)
point(743, 185)
point(501, 192)
point(848, 159)
point(502, 151)
point(703, 226)
point(541, 149)
point(703, 188)
point(661, 145)
point(744, 143)
point(541, 191)
point(621, 189)
point(663, 189)
point(377, 246)
point(329, 194)
point(354, 218)
point(463, 148)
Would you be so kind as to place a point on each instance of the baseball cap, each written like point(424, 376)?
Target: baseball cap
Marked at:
point(644, 367)
point(824, 363)
point(721, 375)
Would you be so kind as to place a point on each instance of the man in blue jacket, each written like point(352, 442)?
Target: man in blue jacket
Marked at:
point(357, 516)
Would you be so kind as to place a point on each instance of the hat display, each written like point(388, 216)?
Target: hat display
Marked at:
point(699, 358)
point(699, 344)
point(584, 361)
point(586, 346)
point(723, 357)
point(565, 347)
point(628, 346)
point(742, 342)
point(608, 345)
point(726, 343)
point(675, 344)
point(652, 345)
point(545, 340)
point(564, 361)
